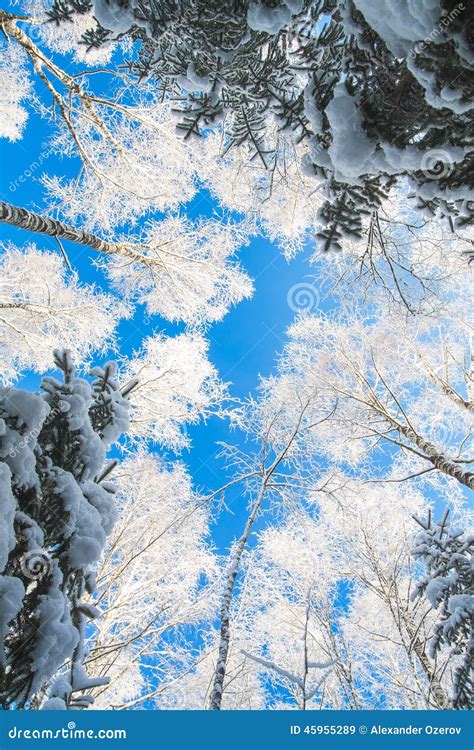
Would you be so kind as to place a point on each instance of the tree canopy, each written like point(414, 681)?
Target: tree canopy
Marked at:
point(192, 522)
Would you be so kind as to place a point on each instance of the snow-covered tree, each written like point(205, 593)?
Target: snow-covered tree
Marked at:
point(133, 163)
point(190, 270)
point(154, 585)
point(412, 264)
point(346, 386)
point(322, 613)
point(447, 555)
point(365, 533)
point(393, 385)
point(277, 441)
point(311, 112)
point(372, 94)
point(371, 530)
point(132, 166)
point(176, 385)
point(57, 512)
point(15, 87)
point(290, 588)
point(66, 39)
point(188, 273)
point(283, 202)
point(44, 306)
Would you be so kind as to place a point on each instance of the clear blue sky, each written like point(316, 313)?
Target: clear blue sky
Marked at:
point(242, 347)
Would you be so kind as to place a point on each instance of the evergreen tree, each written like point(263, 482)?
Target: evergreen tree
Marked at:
point(56, 512)
point(373, 101)
point(448, 586)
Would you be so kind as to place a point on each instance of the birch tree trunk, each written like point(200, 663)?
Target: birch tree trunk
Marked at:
point(439, 460)
point(435, 687)
point(32, 222)
point(221, 666)
point(219, 675)
point(406, 627)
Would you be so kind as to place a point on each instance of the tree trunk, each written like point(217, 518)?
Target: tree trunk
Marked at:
point(221, 666)
point(24, 219)
point(437, 691)
point(305, 651)
point(442, 462)
point(439, 460)
point(8, 22)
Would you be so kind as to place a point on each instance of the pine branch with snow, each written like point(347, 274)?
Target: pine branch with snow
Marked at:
point(372, 94)
point(447, 554)
point(57, 513)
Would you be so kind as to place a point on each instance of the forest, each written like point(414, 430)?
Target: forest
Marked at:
point(237, 364)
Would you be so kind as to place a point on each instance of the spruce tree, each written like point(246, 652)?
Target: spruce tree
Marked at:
point(372, 105)
point(448, 585)
point(56, 508)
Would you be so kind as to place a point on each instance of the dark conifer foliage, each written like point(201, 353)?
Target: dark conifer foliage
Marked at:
point(57, 510)
point(448, 585)
point(299, 64)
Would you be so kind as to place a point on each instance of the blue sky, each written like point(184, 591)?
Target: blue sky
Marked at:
point(243, 346)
